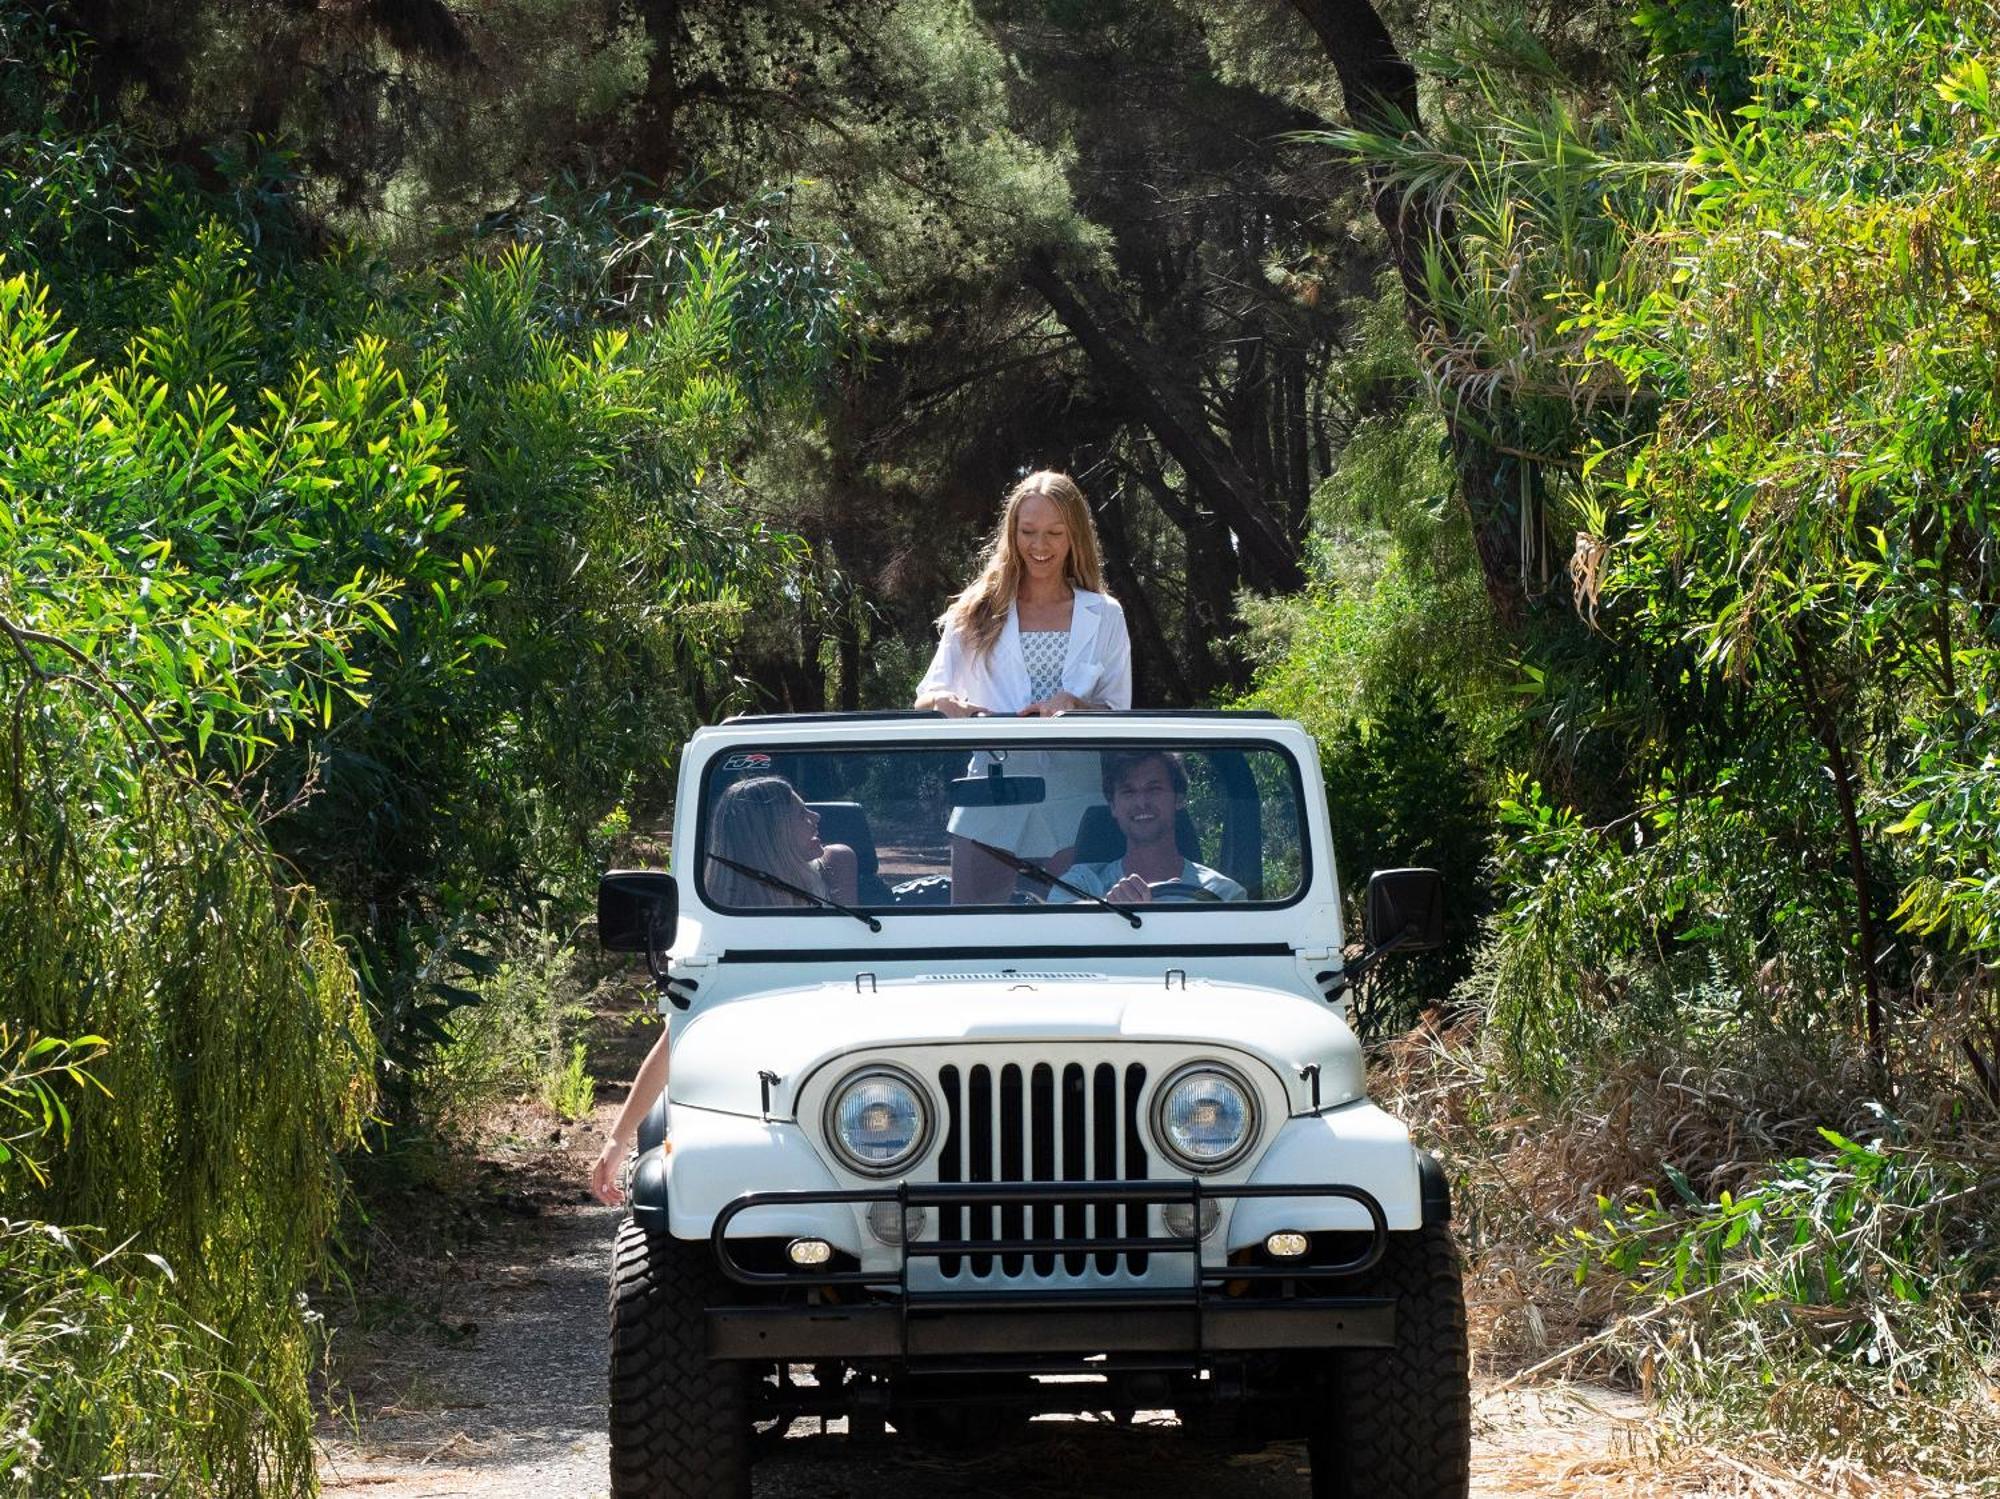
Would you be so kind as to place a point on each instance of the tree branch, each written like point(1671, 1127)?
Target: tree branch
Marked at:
point(1140, 375)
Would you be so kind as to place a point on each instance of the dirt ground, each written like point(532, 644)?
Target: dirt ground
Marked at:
point(487, 1378)
point(503, 1398)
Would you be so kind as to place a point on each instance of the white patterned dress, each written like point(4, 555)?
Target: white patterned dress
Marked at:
point(1048, 826)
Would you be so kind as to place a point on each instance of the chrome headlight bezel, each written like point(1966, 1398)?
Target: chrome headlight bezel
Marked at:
point(1252, 1116)
point(927, 1116)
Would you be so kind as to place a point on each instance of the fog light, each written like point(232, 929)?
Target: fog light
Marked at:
point(891, 1230)
point(809, 1252)
point(1286, 1245)
point(1179, 1218)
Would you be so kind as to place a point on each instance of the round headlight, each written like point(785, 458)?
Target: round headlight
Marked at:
point(879, 1121)
point(1205, 1116)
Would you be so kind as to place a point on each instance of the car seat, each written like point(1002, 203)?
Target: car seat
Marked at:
point(1098, 840)
point(846, 822)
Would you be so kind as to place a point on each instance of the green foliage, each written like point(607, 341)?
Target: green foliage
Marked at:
point(1841, 505)
point(1385, 659)
point(457, 552)
point(101, 1372)
point(239, 1055)
point(341, 605)
point(1631, 923)
point(1402, 793)
point(1950, 806)
point(1693, 43)
point(141, 904)
point(1394, 596)
point(1795, 1299)
point(1729, 349)
point(137, 505)
point(1545, 180)
point(604, 362)
point(31, 1105)
point(1729, 317)
point(518, 1040)
point(569, 1090)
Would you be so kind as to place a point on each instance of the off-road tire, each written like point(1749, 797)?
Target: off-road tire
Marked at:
point(1396, 1423)
point(680, 1425)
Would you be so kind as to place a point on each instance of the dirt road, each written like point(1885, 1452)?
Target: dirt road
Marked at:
point(502, 1397)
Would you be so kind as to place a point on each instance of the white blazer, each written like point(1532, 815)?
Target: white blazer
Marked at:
point(1096, 668)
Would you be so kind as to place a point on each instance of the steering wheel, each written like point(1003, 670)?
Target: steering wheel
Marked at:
point(1180, 890)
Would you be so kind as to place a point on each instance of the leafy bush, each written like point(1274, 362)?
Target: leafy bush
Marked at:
point(1663, 913)
point(107, 1385)
point(1379, 658)
point(569, 1090)
point(109, 1379)
point(137, 906)
point(477, 518)
point(1790, 1305)
point(1745, 870)
point(519, 1039)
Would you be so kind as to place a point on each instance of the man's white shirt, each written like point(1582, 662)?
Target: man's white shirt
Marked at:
point(1098, 878)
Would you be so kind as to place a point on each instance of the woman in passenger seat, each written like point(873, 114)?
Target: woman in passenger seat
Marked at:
point(764, 824)
point(761, 823)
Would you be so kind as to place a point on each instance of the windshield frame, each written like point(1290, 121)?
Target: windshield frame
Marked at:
point(957, 743)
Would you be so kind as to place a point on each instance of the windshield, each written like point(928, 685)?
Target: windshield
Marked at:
point(910, 829)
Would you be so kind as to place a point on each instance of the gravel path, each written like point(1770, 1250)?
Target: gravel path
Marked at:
point(503, 1398)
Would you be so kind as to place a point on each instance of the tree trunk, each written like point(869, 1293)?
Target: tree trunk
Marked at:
point(654, 150)
point(1820, 714)
point(847, 640)
point(1380, 87)
point(1157, 678)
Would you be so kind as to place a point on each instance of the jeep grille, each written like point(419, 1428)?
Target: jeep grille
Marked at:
point(1045, 1122)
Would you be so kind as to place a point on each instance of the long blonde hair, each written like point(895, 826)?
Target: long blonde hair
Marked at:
point(980, 612)
point(749, 826)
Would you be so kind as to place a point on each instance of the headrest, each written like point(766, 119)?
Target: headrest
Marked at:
point(845, 822)
point(1098, 840)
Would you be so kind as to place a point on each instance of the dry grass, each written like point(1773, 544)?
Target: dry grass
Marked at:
point(1749, 1405)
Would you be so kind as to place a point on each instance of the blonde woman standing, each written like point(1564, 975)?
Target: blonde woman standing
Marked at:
point(1035, 633)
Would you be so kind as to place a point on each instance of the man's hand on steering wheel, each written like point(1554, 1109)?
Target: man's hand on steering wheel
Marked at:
point(1179, 890)
point(1136, 888)
point(1131, 890)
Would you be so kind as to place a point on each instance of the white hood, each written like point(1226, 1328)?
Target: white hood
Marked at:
point(719, 1051)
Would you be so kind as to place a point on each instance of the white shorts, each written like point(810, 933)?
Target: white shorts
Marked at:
point(1074, 783)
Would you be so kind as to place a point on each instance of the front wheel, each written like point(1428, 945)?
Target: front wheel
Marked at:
point(1396, 1423)
point(680, 1424)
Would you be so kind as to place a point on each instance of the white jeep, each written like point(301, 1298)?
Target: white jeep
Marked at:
point(948, 1166)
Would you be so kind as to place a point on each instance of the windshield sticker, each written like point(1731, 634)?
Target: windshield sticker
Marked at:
point(750, 761)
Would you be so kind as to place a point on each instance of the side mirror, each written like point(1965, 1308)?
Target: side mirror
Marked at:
point(1406, 909)
point(636, 910)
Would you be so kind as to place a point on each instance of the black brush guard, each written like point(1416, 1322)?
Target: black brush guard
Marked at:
point(1218, 1312)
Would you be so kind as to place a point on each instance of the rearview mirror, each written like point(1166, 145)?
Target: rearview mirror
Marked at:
point(636, 910)
point(996, 789)
point(1406, 909)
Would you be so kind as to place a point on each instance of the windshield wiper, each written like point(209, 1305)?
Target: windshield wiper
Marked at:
point(765, 877)
point(1035, 872)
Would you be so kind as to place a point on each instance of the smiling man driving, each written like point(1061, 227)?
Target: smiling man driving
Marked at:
point(1146, 790)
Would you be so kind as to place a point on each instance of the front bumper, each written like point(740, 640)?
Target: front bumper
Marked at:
point(1238, 1308)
